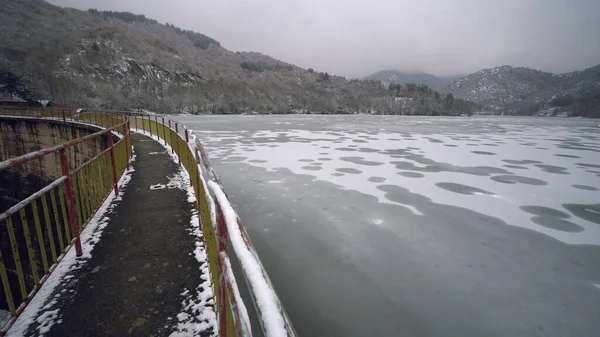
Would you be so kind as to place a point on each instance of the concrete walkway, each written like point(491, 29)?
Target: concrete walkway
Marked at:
point(134, 283)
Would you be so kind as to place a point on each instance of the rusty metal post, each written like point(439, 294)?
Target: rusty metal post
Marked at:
point(64, 116)
point(222, 290)
point(177, 141)
point(143, 126)
point(64, 163)
point(135, 119)
point(112, 163)
point(171, 138)
point(150, 125)
point(187, 139)
point(127, 149)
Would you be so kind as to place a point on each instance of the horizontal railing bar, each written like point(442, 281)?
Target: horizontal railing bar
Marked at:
point(82, 166)
point(31, 198)
point(40, 153)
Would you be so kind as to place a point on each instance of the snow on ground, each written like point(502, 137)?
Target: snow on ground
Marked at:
point(197, 316)
point(41, 308)
point(521, 176)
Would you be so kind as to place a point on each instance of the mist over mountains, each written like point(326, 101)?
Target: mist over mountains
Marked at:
point(388, 77)
point(120, 60)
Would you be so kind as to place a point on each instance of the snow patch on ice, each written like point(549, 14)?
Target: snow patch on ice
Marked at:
point(429, 163)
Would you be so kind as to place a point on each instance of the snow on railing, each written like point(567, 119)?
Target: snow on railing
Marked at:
point(272, 315)
point(225, 223)
point(266, 299)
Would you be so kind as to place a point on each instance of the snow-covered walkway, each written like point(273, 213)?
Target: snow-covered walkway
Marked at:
point(147, 274)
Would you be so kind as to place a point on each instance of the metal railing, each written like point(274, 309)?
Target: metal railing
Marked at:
point(231, 315)
point(42, 227)
point(193, 157)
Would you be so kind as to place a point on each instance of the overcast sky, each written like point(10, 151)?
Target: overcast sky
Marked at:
point(358, 37)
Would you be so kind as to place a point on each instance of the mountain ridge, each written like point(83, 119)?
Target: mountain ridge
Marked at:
point(391, 76)
point(121, 60)
point(525, 91)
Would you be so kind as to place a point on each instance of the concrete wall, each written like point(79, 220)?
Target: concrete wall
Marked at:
point(19, 136)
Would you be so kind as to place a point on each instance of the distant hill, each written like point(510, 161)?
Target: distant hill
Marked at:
point(121, 60)
point(388, 77)
point(525, 91)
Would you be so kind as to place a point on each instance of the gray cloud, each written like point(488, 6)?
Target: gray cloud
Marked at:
point(358, 37)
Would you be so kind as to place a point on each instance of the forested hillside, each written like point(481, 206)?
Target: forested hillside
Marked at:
point(524, 91)
point(115, 60)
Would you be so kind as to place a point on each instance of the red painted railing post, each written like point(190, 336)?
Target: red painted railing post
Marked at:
point(125, 135)
point(112, 163)
point(64, 163)
point(222, 247)
point(170, 136)
point(64, 116)
point(177, 141)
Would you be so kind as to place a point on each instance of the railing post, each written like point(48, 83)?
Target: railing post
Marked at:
point(177, 142)
point(170, 137)
point(187, 139)
point(150, 125)
point(112, 163)
point(164, 131)
point(221, 247)
point(64, 116)
point(143, 126)
point(135, 119)
point(64, 163)
point(125, 135)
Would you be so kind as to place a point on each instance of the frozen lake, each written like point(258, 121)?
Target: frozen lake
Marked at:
point(417, 226)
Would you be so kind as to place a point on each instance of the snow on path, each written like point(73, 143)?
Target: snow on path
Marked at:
point(40, 310)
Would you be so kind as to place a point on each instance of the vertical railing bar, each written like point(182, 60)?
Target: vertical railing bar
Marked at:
point(56, 220)
point(30, 253)
point(126, 141)
point(40, 236)
point(71, 202)
point(6, 285)
point(77, 198)
point(177, 141)
point(49, 227)
point(112, 161)
point(88, 194)
point(16, 257)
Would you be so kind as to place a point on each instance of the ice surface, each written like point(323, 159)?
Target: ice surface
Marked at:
point(554, 161)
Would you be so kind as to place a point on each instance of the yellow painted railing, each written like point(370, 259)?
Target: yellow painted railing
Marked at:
point(232, 321)
point(41, 228)
point(89, 184)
